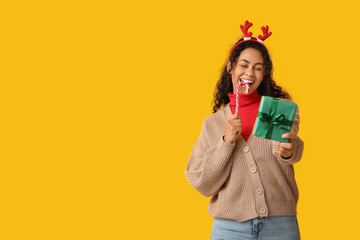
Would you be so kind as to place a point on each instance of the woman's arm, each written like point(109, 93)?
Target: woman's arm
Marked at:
point(290, 153)
point(209, 166)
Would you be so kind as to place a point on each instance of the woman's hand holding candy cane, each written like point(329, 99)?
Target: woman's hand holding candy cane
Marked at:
point(233, 123)
point(232, 128)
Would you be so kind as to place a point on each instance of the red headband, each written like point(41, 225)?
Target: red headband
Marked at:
point(247, 35)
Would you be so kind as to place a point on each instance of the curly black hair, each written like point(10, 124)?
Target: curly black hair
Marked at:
point(267, 86)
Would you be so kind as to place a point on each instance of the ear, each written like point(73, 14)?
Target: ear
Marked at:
point(228, 67)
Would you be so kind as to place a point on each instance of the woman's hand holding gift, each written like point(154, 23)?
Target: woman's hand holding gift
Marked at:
point(286, 150)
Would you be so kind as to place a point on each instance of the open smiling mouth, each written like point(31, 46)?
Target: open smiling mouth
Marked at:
point(246, 81)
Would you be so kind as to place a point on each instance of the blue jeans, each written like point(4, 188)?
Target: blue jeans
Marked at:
point(269, 228)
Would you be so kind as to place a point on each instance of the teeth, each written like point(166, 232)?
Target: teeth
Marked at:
point(248, 81)
point(244, 80)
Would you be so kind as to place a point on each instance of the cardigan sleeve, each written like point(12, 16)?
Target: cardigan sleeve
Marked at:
point(209, 165)
point(299, 144)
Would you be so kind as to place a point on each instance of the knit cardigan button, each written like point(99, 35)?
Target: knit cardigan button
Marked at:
point(253, 169)
point(262, 210)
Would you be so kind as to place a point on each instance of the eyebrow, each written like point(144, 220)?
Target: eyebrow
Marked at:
point(249, 62)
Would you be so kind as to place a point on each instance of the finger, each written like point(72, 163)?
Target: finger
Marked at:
point(235, 129)
point(235, 122)
point(286, 145)
point(238, 120)
point(236, 116)
point(289, 135)
point(284, 152)
point(281, 148)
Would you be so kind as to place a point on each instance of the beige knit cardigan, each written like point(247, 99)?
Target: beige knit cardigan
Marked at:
point(245, 179)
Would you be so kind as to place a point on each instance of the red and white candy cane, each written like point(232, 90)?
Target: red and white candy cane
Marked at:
point(237, 96)
point(247, 86)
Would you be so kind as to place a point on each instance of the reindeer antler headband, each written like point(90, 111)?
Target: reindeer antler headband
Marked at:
point(247, 35)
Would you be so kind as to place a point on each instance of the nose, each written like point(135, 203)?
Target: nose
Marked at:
point(249, 71)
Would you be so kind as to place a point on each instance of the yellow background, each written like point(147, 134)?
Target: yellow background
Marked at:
point(102, 101)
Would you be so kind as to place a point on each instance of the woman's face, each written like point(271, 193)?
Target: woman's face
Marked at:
point(249, 66)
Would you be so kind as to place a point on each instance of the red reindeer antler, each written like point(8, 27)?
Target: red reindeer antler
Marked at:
point(245, 29)
point(266, 33)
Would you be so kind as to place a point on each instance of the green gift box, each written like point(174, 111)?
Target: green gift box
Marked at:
point(275, 117)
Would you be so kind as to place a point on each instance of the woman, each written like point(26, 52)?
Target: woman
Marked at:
point(251, 179)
